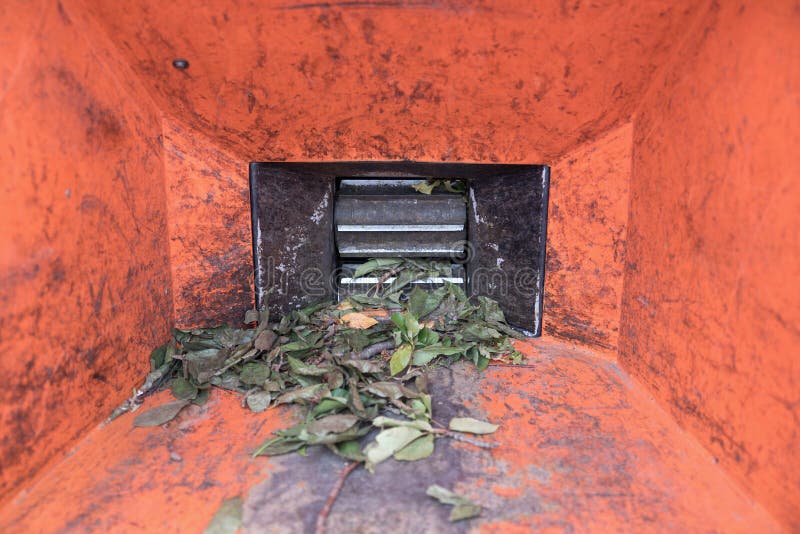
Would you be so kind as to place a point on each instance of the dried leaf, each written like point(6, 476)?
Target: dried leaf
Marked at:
point(463, 508)
point(472, 426)
point(303, 395)
point(391, 390)
point(160, 414)
point(380, 313)
point(303, 369)
point(426, 187)
point(358, 320)
point(365, 366)
point(202, 364)
point(265, 340)
point(332, 424)
point(254, 373)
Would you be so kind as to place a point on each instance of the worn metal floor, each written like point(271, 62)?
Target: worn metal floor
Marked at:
point(582, 447)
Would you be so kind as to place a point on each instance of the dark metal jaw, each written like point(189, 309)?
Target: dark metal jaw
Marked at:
point(294, 242)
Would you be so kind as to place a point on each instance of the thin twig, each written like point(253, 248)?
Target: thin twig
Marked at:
point(323, 514)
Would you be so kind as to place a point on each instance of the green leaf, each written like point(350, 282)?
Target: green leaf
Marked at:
point(183, 389)
point(463, 508)
point(490, 311)
point(475, 332)
point(375, 264)
point(327, 405)
point(202, 397)
point(400, 358)
point(464, 511)
point(277, 446)
point(412, 326)
point(357, 340)
point(258, 401)
point(427, 337)
point(228, 518)
point(157, 357)
point(418, 449)
point(254, 373)
point(160, 414)
point(424, 355)
point(472, 426)
point(350, 450)
point(388, 442)
point(399, 320)
point(421, 302)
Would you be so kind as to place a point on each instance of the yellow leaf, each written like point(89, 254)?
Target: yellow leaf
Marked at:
point(358, 320)
point(344, 305)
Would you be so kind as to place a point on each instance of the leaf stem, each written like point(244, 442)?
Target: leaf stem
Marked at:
point(337, 487)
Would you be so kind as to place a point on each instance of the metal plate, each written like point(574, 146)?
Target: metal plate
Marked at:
point(506, 227)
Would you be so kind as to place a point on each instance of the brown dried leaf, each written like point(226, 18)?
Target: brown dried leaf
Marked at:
point(358, 320)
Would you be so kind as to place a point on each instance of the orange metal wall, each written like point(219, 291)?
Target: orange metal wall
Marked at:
point(666, 123)
point(458, 80)
point(211, 248)
point(84, 271)
point(586, 226)
point(710, 310)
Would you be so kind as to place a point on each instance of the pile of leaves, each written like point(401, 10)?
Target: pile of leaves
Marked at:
point(355, 368)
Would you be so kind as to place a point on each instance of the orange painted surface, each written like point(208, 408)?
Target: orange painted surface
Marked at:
point(456, 80)
point(586, 224)
point(582, 447)
point(710, 317)
point(172, 479)
point(84, 272)
point(211, 248)
point(673, 230)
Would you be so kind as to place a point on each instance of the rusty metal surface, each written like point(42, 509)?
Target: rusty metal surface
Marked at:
point(293, 244)
point(508, 230)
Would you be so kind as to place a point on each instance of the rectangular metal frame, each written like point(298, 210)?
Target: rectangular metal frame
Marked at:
point(293, 238)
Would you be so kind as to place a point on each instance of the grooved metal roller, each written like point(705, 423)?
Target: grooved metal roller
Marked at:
point(388, 218)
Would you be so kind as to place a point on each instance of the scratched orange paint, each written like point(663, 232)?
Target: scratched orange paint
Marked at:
point(113, 163)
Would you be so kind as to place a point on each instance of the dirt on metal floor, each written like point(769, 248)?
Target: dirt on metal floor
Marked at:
point(581, 447)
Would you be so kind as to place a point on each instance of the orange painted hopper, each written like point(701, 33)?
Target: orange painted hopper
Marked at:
point(664, 393)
